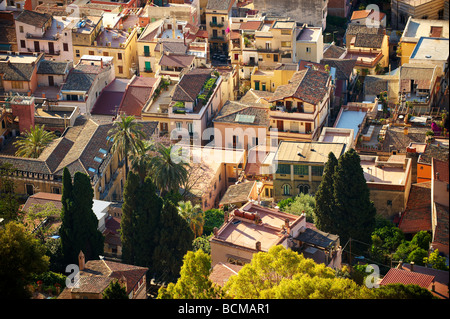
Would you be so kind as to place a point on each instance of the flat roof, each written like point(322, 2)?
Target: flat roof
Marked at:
point(307, 152)
point(245, 232)
point(392, 171)
point(351, 119)
point(431, 49)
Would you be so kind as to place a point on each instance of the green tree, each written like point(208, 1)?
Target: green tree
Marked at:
point(193, 215)
point(115, 291)
point(414, 250)
point(436, 261)
point(422, 240)
point(126, 137)
point(354, 212)
point(302, 203)
point(142, 158)
point(89, 238)
point(213, 218)
point(79, 228)
point(202, 242)
point(21, 257)
point(282, 273)
point(174, 240)
point(140, 218)
point(152, 232)
point(66, 231)
point(325, 197)
point(194, 282)
point(169, 172)
point(385, 241)
point(33, 142)
point(9, 203)
point(401, 291)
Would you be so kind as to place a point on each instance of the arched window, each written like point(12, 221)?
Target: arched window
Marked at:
point(303, 189)
point(286, 189)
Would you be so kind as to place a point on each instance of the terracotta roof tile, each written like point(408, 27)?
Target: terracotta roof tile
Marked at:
point(405, 277)
point(417, 215)
point(307, 85)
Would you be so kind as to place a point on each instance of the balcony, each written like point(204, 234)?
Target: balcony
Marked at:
point(217, 38)
point(279, 112)
point(267, 50)
point(215, 24)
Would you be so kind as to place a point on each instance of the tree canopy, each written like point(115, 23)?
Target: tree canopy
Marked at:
point(79, 228)
point(21, 257)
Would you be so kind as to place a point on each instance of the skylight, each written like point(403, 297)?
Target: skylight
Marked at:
point(103, 151)
point(93, 170)
point(98, 159)
point(245, 118)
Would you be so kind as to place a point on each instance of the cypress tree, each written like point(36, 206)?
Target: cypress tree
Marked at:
point(354, 213)
point(79, 228)
point(153, 234)
point(127, 221)
point(174, 240)
point(88, 238)
point(324, 196)
point(66, 231)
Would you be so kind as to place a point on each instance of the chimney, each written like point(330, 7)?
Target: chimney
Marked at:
point(225, 216)
point(400, 263)
point(258, 246)
point(215, 231)
point(81, 260)
point(286, 224)
point(412, 265)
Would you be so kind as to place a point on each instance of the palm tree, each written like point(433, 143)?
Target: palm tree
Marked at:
point(168, 174)
point(126, 137)
point(141, 161)
point(32, 143)
point(193, 215)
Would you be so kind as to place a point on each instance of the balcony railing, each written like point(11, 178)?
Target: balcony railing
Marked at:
point(215, 24)
point(217, 37)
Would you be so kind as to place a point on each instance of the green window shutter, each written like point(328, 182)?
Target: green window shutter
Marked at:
point(148, 66)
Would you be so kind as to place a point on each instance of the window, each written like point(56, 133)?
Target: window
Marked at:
point(190, 128)
point(284, 169)
point(301, 170)
point(317, 170)
point(308, 50)
point(77, 53)
point(91, 52)
point(148, 66)
point(22, 44)
point(178, 125)
point(56, 190)
point(120, 69)
point(65, 47)
point(21, 29)
point(119, 56)
point(105, 53)
point(285, 32)
point(303, 189)
point(29, 189)
point(286, 189)
point(285, 43)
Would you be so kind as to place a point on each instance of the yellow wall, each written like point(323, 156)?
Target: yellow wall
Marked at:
point(272, 79)
point(406, 50)
point(129, 54)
